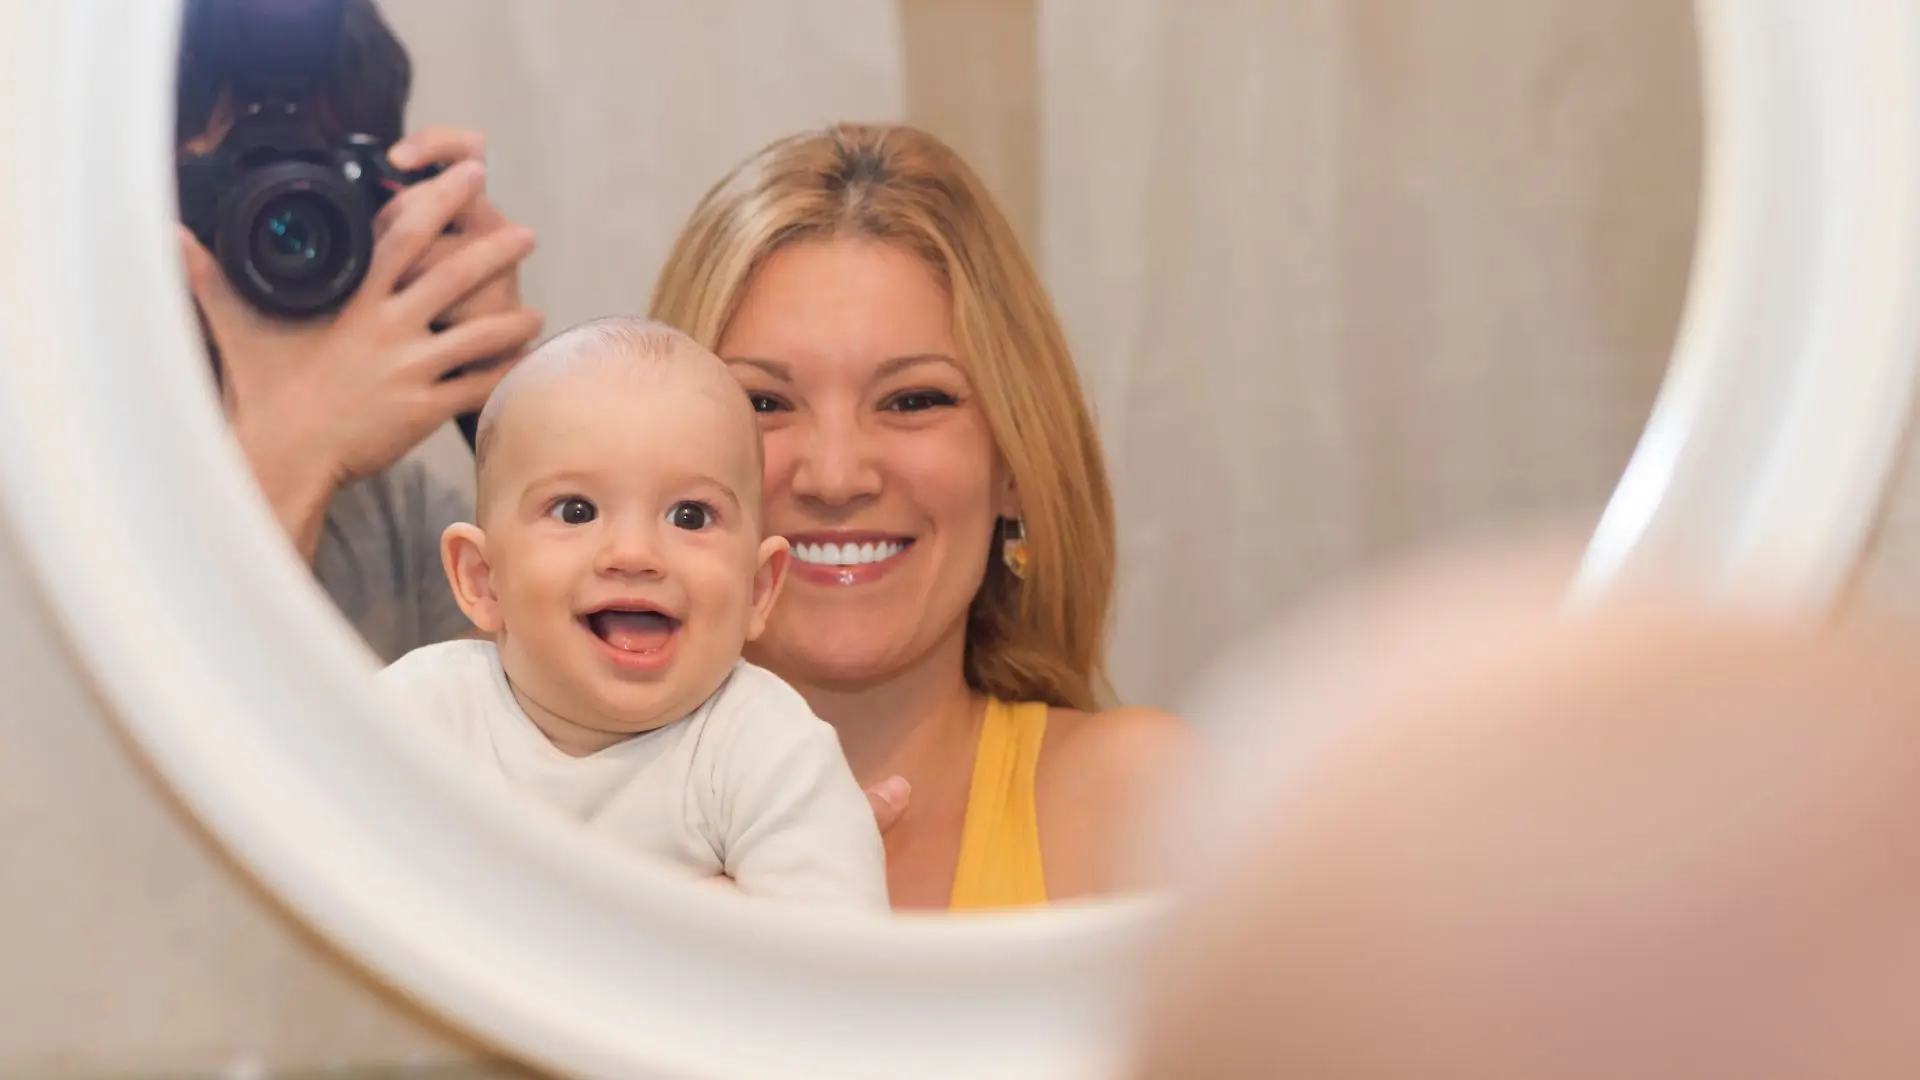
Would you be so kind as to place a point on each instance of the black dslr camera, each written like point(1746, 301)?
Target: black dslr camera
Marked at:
point(287, 210)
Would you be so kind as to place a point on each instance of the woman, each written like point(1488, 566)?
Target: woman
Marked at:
point(932, 461)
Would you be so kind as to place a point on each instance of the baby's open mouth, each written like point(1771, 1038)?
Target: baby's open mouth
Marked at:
point(635, 630)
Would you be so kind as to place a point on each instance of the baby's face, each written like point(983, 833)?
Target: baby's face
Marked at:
point(623, 545)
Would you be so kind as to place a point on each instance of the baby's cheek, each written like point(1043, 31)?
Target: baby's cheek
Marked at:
point(725, 587)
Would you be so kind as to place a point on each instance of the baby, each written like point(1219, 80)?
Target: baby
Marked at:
point(619, 567)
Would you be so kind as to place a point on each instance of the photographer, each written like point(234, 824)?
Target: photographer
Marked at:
point(330, 410)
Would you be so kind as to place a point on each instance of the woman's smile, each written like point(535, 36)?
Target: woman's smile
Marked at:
point(846, 558)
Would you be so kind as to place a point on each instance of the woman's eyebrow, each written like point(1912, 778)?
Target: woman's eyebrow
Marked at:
point(783, 372)
point(903, 363)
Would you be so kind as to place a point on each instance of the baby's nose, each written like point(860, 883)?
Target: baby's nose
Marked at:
point(632, 549)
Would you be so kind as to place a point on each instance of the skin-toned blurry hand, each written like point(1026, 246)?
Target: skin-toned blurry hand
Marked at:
point(1640, 842)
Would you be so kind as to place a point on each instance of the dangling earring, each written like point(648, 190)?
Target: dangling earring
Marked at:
point(1013, 546)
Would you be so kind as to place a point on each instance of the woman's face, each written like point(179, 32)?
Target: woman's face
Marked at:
point(881, 471)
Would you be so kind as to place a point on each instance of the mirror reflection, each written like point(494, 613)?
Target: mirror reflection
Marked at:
point(834, 508)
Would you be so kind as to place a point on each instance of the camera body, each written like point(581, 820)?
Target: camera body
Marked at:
point(284, 201)
point(289, 214)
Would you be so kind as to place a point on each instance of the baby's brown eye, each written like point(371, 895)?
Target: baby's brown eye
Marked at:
point(574, 511)
point(691, 516)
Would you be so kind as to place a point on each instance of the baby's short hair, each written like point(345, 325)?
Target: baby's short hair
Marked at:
point(619, 339)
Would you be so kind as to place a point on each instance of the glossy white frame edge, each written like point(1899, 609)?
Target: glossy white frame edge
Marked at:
point(1764, 465)
point(165, 573)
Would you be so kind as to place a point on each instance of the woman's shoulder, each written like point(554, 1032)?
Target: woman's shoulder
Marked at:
point(1113, 757)
point(1098, 772)
point(1122, 739)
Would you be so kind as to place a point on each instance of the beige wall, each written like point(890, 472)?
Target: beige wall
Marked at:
point(1341, 276)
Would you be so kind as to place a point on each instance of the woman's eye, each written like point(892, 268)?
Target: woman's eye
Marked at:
point(766, 403)
point(574, 511)
point(691, 516)
point(920, 401)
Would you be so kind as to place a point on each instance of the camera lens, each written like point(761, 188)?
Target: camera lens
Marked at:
point(293, 238)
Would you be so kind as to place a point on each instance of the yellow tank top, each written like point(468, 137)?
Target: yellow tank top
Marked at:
point(1000, 842)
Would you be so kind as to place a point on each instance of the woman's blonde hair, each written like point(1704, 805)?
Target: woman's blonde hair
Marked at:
point(1037, 639)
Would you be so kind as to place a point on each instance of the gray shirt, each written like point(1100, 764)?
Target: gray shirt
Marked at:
point(379, 553)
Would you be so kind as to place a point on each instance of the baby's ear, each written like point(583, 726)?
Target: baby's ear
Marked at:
point(463, 551)
point(767, 579)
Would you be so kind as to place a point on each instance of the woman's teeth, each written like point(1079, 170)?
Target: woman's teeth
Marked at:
point(847, 554)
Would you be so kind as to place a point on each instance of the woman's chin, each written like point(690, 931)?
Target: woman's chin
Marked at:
point(835, 657)
point(822, 664)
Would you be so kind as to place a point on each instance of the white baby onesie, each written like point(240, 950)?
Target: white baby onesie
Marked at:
point(752, 784)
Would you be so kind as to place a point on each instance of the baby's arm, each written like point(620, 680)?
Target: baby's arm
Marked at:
point(793, 824)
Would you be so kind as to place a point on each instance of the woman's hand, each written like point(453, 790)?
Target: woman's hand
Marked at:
point(316, 403)
point(889, 800)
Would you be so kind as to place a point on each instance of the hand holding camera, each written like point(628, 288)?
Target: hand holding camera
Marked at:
point(481, 218)
point(320, 400)
point(357, 287)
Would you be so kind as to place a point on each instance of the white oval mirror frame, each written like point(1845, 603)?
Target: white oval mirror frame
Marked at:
point(1764, 461)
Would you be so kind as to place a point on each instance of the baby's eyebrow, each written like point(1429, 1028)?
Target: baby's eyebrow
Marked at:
point(554, 479)
point(725, 490)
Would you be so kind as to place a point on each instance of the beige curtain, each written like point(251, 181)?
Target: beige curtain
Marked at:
point(1347, 276)
point(608, 119)
point(1342, 277)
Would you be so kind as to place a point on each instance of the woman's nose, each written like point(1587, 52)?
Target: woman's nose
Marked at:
point(835, 464)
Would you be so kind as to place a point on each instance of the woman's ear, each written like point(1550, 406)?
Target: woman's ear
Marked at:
point(1007, 505)
point(463, 551)
point(767, 580)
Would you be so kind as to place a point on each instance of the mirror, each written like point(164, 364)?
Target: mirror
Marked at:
point(1364, 409)
point(451, 893)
